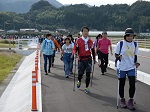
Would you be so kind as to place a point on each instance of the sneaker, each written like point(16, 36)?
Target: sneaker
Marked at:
point(78, 84)
point(102, 74)
point(123, 103)
point(46, 73)
point(131, 104)
point(67, 76)
point(99, 65)
point(87, 90)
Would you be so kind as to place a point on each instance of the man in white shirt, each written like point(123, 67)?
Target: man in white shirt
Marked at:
point(126, 52)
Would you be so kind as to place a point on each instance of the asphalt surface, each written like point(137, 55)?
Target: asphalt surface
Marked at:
point(143, 59)
point(58, 94)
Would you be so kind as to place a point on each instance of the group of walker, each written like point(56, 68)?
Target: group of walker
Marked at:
point(125, 52)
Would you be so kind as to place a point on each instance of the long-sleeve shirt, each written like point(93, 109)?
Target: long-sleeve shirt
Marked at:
point(47, 47)
point(56, 44)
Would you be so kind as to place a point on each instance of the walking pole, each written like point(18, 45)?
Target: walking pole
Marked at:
point(74, 74)
point(137, 65)
point(118, 89)
point(92, 74)
point(118, 95)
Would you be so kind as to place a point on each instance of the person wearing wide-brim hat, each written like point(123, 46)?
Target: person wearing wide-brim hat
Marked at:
point(126, 54)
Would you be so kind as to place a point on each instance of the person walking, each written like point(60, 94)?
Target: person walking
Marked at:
point(103, 46)
point(84, 48)
point(126, 52)
point(47, 49)
point(41, 39)
point(54, 52)
point(67, 56)
point(98, 37)
point(72, 43)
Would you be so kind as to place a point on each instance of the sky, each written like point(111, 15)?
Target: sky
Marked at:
point(97, 2)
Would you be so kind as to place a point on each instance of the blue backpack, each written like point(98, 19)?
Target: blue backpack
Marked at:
point(121, 44)
point(46, 43)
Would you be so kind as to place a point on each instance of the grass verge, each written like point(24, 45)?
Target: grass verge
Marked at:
point(6, 45)
point(7, 62)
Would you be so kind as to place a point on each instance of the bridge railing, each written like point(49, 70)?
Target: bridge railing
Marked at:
point(24, 43)
point(142, 43)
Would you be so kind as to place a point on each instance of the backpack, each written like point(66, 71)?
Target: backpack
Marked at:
point(45, 43)
point(121, 44)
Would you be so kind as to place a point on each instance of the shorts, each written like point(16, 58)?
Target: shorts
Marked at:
point(122, 74)
point(84, 65)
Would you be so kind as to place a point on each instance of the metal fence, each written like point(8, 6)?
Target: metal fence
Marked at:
point(142, 43)
point(25, 43)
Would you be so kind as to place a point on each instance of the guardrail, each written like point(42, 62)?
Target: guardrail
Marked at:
point(142, 43)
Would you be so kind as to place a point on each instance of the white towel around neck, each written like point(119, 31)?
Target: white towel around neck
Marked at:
point(86, 44)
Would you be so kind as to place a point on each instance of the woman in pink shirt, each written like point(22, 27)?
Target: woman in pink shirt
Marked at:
point(99, 36)
point(103, 45)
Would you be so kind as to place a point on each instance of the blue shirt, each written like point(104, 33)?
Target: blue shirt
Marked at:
point(47, 46)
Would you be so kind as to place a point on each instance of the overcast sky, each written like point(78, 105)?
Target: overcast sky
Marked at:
point(97, 2)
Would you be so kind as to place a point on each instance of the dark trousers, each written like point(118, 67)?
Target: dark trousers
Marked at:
point(104, 61)
point(85, 66)
point(45, 62)
point(131, 88)
point(53, 56)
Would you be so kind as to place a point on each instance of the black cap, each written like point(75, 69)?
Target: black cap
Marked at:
point(129, 31)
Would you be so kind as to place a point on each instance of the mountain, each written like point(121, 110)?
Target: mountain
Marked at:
point(22, 6)
point(55, 3)
point(17, 6)
point(83, 3)
point(88, 5)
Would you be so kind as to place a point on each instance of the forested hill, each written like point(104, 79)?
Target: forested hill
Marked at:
point(43, 15)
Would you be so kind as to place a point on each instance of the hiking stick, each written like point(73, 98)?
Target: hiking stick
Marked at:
point(92, 73)
point(118, 95)
point(74, 74)
point(137, 65)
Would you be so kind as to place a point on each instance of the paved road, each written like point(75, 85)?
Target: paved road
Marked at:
point(58, 94)
point(143, 58)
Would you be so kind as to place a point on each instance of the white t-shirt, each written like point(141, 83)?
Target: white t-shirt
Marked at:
point(67, 49)
point(128, 53)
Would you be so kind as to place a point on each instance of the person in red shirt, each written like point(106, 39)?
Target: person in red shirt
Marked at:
point(84, 48)
point(103, 45)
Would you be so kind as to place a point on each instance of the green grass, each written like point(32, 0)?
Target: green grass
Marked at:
point(6, 45)
point(7, 62)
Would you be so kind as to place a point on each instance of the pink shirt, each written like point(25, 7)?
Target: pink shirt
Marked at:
point(104, 44)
